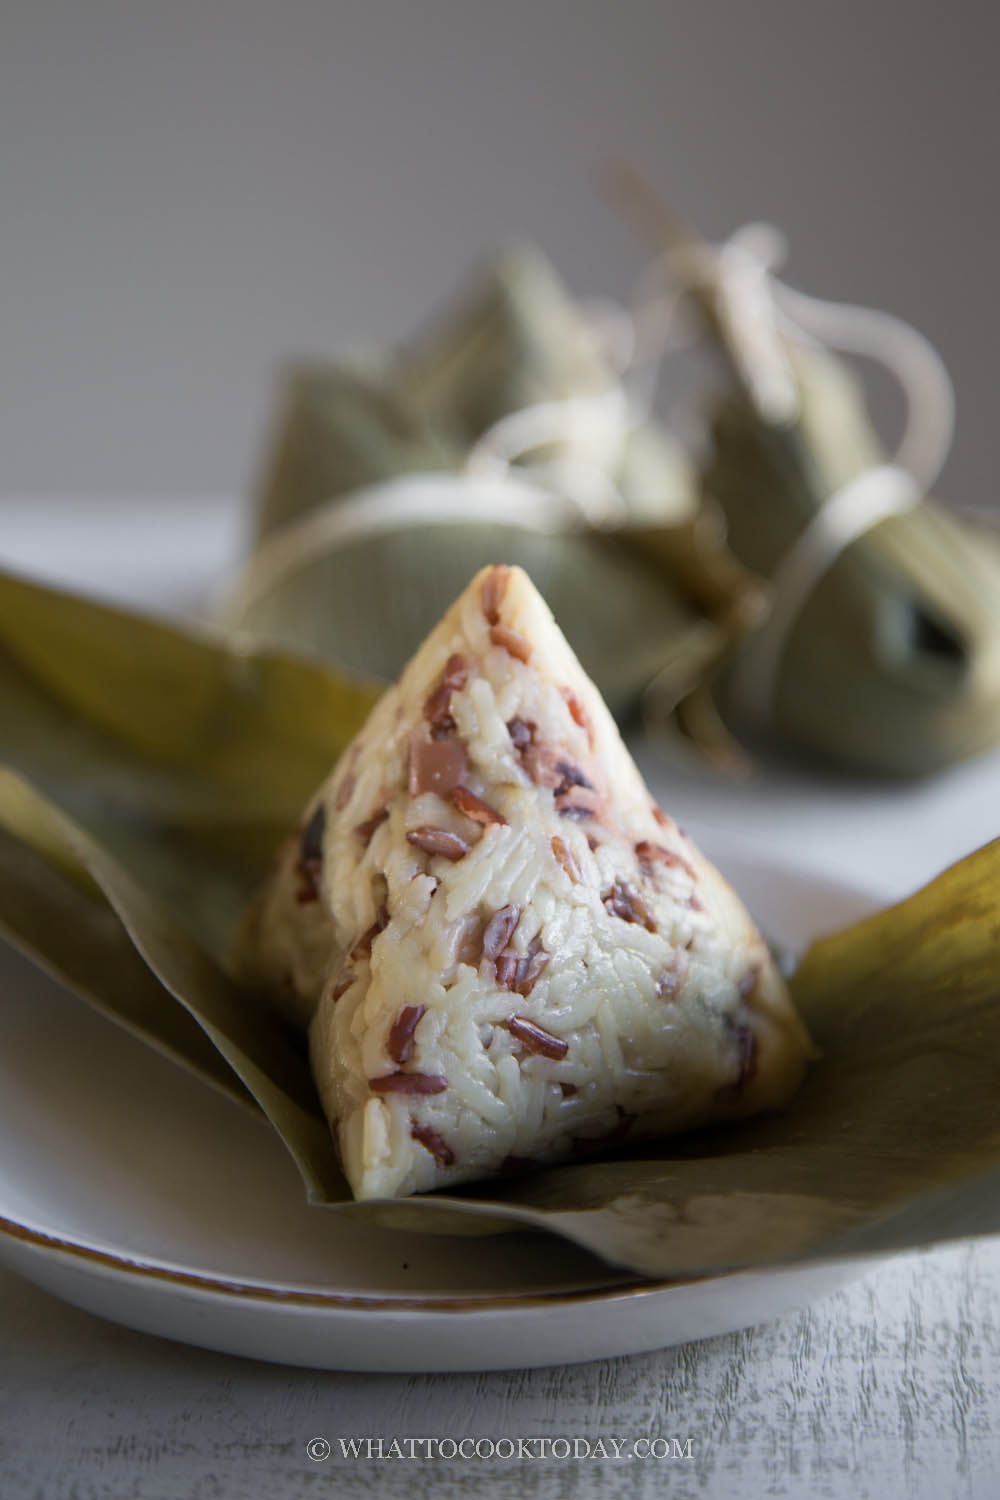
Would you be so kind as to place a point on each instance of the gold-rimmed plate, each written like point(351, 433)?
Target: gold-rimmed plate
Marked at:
point(135, 1191)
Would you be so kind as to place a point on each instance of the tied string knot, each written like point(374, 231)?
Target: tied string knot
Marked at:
point(752, 309)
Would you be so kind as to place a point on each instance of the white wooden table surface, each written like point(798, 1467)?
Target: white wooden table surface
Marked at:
point(888, 1389)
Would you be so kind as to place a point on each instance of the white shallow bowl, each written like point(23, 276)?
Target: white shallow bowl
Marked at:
point(136, 1192)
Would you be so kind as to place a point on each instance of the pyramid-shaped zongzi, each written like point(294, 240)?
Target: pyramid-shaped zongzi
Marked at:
point(511, 955)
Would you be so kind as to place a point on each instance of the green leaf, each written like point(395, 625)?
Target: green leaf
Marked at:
point(186, 756)
point(152, 770)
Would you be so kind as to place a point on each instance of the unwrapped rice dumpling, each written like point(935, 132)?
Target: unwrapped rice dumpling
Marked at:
point(509, 954)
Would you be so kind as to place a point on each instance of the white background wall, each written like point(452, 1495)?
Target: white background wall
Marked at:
point(189, 190)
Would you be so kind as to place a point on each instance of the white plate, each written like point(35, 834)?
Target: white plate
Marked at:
point(141, 1195)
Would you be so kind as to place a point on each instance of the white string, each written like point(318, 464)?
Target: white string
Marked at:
point(753, 305)
point(743, 269)
point(912, 358)
point(410, 499)
point(589, 432)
